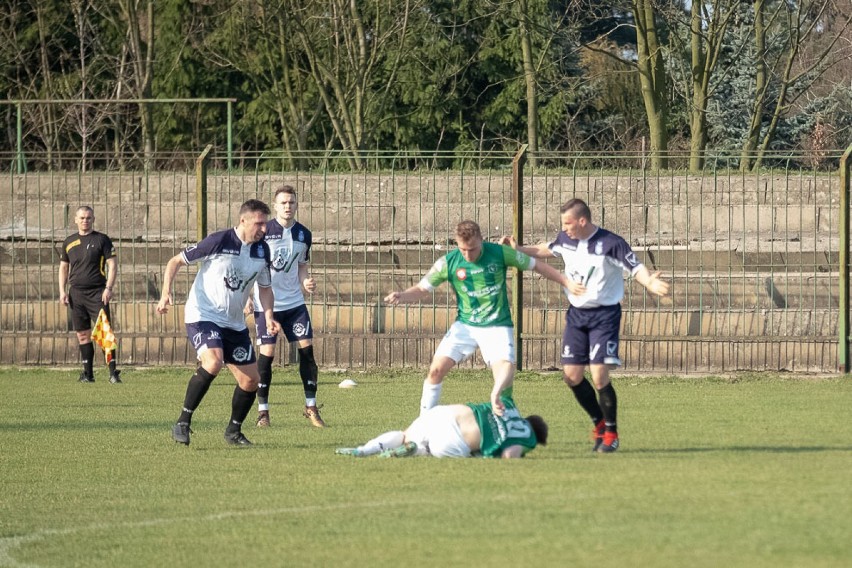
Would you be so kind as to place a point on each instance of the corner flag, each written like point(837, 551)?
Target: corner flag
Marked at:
point(103, 336)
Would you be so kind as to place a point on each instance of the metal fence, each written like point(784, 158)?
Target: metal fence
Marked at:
point(752, 258)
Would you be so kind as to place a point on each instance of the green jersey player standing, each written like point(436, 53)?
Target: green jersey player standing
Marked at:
point(477, 273)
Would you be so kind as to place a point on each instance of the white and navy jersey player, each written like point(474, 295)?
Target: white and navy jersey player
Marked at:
point(288, 248)
point(227, 276)
point(599, 264)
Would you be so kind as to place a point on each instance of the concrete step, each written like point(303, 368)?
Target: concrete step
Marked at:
point(761, 257)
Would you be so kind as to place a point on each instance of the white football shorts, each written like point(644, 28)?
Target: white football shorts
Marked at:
point(437, 433)
point(461, 341)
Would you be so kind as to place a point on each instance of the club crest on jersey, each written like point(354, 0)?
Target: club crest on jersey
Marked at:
point(491, 269)
point(461, 274)
point(301, 236)
point(233, 281)
point(299, 329)
point(599, 248)
point(280, 259)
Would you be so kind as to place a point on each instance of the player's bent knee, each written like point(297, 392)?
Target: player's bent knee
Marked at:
point(572, 380)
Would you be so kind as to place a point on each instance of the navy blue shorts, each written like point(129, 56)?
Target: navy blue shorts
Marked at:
point(295, 325)
point(591, 336)
point(236, 345)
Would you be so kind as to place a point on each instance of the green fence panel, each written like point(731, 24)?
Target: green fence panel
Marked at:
point(753, 258)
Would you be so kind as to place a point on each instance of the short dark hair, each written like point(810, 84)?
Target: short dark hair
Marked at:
point(539, 426)
point(578, 209)
point(467, 230)
point(254, 206)
point(284, 189)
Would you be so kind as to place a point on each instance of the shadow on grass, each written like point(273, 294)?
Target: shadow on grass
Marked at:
point(744, 449)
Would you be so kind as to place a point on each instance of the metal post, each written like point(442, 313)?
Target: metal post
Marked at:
point(230, 135)
point(518, 234)
point(843, 291)
point(201, 193)
point(22, 167)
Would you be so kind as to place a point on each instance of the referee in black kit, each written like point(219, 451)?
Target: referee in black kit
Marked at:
point(87, 271)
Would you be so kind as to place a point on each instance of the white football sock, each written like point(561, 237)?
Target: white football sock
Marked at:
point(431, 396)
point(386, 441)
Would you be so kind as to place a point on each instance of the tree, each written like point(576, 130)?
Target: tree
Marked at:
point(708, 24)
point(797, 25)
point(654, 80)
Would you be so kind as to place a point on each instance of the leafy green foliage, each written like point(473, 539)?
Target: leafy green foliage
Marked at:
point(423, 76)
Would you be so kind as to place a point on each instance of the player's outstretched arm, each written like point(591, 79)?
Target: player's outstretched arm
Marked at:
point(652, 282)
point(541, 250)
point(409, 296)
point(551, 273)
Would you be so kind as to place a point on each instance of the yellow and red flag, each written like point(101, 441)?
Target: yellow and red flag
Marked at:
point(103, 336)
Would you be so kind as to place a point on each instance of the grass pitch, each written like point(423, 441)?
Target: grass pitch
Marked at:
point(747, 471)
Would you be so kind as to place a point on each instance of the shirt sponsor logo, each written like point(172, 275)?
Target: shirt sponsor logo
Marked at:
point(213, 335)
point(461, 274)
point(566, 353)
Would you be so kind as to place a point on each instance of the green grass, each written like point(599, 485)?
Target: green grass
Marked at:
point(752, 471)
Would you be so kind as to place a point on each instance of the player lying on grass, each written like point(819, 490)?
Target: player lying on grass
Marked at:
point(460, 431)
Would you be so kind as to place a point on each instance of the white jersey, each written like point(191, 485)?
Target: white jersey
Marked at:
point(288, 249)
point(599, 263)
point(229, 269)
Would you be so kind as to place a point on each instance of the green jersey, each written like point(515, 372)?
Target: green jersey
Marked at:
point(480, 286)
point(501, 432)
